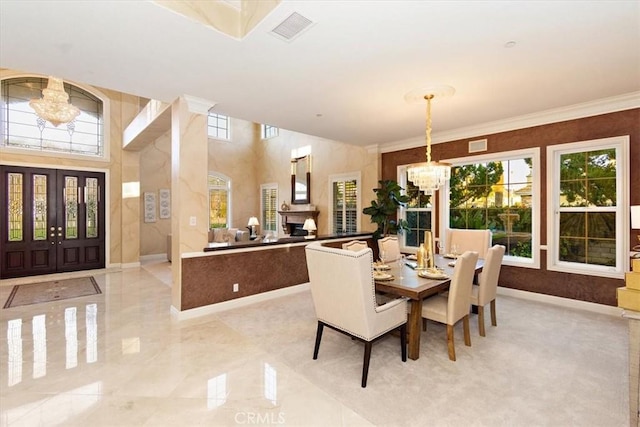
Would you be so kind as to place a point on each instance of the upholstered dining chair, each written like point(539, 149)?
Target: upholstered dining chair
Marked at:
point(456, 305)
point(390, 247)
point(485, 291)
point(468, 240)
point(343, 293)
point(355, 245)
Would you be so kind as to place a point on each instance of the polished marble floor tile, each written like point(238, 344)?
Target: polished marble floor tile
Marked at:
point(121, 359)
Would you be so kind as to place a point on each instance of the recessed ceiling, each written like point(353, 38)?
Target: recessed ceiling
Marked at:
point(353, 66)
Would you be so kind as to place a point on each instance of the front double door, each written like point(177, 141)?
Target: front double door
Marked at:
point(51, 221)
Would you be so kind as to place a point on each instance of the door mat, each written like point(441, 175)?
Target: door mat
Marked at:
point(52, 290)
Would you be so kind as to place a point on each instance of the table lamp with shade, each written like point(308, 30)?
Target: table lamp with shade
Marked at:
point(310, 226)
point(635, 225)
point(253, 221)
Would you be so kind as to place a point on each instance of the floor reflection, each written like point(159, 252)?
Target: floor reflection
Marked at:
point(16, 342)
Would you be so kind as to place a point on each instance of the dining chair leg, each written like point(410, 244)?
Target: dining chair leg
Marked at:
point(403, 341)
point(452, 349)
point(481, 321)
point(318, 338)
point(365, 366)
point(424, 324)
point(494, 322)
point(467, 334)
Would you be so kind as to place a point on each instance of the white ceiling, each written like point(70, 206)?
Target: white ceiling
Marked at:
point(352, 67)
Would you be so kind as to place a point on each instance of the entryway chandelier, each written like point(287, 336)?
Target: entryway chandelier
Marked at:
point(54, 105)
point(429, 176)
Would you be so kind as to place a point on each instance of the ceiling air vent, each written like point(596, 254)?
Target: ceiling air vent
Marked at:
point(291, 27)
point(478, 145)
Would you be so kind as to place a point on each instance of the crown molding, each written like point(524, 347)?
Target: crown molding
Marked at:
point(577, 111)
point(372, 149)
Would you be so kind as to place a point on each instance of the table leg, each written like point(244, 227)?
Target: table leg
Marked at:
point(415, 317)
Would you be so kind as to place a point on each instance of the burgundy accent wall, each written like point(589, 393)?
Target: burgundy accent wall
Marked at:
point(585, 288)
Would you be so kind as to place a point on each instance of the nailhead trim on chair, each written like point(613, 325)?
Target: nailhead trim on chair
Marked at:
point(351, 254)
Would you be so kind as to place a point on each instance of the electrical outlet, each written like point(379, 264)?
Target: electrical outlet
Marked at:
point(192, 221)
point(236, 287)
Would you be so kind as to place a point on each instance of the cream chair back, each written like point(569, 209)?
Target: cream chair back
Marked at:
point(459, 301)
point(468, 240)
point(391, 248)
point(343, 294)
point(488, 283)
point(342, 288)
point(355, 245)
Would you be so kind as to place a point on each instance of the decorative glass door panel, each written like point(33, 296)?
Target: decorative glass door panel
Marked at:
point(92, 198)
point(39, 207)
point(14, 207)
point(71, 207)
point(53, 221)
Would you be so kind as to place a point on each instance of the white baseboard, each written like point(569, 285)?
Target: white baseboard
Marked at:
point(562, 302)
point(153, 257)
point(239, 302)
point(131, 264)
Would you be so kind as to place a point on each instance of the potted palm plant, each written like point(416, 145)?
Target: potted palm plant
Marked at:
point(383, 209)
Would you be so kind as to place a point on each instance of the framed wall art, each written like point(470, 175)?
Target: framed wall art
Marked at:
point(149, 207)
point(165, 203)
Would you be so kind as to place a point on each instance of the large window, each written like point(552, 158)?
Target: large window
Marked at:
point(22, 128)
point(269, 207)
point(498, 193)
point(218, 126)
point(588, 201)
point(345, 203)
point(219, 200)
point(418, 212)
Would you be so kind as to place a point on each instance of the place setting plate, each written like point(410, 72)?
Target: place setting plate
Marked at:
point(380, 276)
point(432, 274)
point(381, 267)
point(450, 256)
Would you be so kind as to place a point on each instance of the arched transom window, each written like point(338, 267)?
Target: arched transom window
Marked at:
point(22, 128)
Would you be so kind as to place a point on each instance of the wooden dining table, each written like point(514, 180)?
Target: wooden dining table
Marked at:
point(407, 283)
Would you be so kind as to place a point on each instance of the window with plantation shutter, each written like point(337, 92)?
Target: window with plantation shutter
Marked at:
point(269, 207)
point(345, 204)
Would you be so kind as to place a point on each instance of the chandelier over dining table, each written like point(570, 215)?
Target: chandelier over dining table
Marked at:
point(430, 175)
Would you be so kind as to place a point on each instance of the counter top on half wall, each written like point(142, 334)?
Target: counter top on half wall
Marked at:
point(209, 277)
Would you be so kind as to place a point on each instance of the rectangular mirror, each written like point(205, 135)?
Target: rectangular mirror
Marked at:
point(301, 180)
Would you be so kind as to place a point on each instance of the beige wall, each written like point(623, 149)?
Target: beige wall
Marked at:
point(155, 174)
point(122, 109)
point(247, 160)
point(327, 158)
point(237, 159)
point(250, 162)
